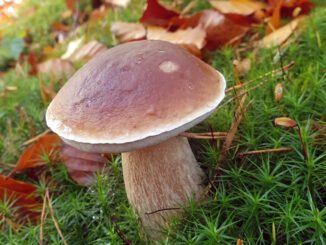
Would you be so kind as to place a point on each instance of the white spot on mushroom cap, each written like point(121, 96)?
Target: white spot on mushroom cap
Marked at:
point(168, 67)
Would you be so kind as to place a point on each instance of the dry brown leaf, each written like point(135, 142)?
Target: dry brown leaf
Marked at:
point(156, 14)
point(56, 68)
point(126, 32)
point(118, 3)
point(22, 198)
point(274, 21)
point(193, 39)
point(285, 122)
point(88, 51)
point(242, 66)
point(242, 7)
point(279, 36)
point(82, 166)
point(240, 242)
point(278, 92)
point(33, 156)
point(220, 30)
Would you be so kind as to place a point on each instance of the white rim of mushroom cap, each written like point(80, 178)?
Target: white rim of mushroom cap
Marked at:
point(175, 128)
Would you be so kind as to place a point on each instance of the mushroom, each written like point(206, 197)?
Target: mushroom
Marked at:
point(136, 98)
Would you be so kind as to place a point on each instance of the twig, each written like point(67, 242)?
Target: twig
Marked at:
point(7, 165)
point(229, 139)
point(36, 137)
point(240, 95)
point(257, 152)
point(54, 219)
point(273, 72)
point(42, 220)
point(119, 232)
point(213, 135)
point(161, 210)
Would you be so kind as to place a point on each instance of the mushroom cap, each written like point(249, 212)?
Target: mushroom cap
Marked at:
point(134, 95)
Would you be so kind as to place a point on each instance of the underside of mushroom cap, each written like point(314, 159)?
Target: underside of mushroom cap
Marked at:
point(133, 95)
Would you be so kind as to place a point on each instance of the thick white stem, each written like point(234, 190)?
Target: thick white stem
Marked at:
point(161, 177)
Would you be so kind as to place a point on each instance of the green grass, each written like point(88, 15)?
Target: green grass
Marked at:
point(270, 199)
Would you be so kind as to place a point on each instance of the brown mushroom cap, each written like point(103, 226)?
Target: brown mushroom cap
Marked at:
point(134, 95)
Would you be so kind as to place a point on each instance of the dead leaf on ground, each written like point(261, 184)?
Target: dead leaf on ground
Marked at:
point(59, 27)
point(290, 7)
point(285, 122)
point(279, 36)
point(56, 68)
point(22, 199)
point(278, 92)
point(71, 5)
point(82, 166)
point(7, 90)
point(220, 30)
point(242, 66)
point(36, 154)
point(88, 51)
point(72, 47)
point(240, 242)
point(118, 3)
point(126, 32)
point(47, 91)
point(242, 7)
point(98, 14)
point(193, 39)
point(156, 14)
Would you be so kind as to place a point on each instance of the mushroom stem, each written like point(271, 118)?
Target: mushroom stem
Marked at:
point(159, 180)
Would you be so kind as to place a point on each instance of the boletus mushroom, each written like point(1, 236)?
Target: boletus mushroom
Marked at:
point(136, 98)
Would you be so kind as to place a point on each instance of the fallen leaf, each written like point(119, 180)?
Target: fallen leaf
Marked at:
point(242, 7)
point(242, 66)
point(220, 30)
point(88, 51)
point(274, 21)
point(59, 27)
point(82, 166)
point(156, 14)
point(47, 91)
point(193, 39)
point(98, 13)
point(71, 4)
point(290, 6)
point(278, 92)
point(72, 47)
point(285, 122)
point(118, 3)
point(279, 36)
point(56, 68)
point(240, 242)
point(34, 155)
point(22, 200)
point(32, 61)
point(126, 32)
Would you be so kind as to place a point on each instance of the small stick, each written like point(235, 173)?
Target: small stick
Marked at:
point(257, 152)
point(7, 165)
point(54, 219)
point(203, 135)
point(119, 232)
point(283, 68)
point(42, 220)
point(161, 210)
point(36, 137)
point(229, 139)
